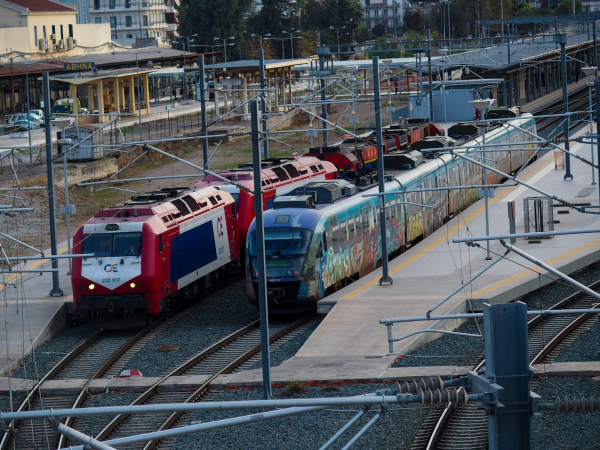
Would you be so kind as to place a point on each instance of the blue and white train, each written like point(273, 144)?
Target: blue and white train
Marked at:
point(324, 235)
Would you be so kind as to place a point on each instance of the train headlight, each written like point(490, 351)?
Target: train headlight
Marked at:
point(92, 286)
point(132, 285)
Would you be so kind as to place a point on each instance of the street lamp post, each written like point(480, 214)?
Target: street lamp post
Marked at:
point(291, 33)
point(338, 34)
point(225, 44)
point(183, 45)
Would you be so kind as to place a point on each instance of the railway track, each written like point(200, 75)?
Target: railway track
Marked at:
point(447, 428)
point(103, 355)
point(232, 354)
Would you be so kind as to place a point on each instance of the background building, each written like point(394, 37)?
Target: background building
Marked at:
point(388, 12)
point(45, 27)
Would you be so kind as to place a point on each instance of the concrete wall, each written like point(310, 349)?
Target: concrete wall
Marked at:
point(14, 38)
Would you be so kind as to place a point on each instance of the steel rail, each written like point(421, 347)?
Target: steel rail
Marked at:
point(236, 363)
point(84, 392)
point(562, 304)
point(36, 389)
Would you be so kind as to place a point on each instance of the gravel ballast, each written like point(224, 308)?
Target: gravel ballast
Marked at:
point(212, 319)
point(305, 431)
point(566, 432)
point(449, 350)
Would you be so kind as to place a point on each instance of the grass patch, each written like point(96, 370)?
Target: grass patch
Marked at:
point(294, 388)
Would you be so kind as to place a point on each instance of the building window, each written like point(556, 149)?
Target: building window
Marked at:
point(62, 34)
point(54, 34)
point(113, 22)
point(145, 21)
point(98, 20)
point(96, 4)
point(376, 13)
point(129, 36)
point(112, 4)
point(127, 21)
point(44, 30)
point(35, 38)
point(127, 3)
point(71, 30)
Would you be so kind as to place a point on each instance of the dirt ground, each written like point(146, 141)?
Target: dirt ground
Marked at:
point(32, 227)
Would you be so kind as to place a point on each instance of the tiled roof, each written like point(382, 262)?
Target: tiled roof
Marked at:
point(41, 5)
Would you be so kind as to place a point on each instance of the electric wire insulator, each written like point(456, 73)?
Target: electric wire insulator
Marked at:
point(457, 398)
point(577, 405)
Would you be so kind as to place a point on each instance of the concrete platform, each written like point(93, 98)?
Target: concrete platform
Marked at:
point(429, 271)
point(540, 103)
point(31, 316)
point(320, 371)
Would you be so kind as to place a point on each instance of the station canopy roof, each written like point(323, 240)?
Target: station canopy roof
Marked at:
point(121, 57)
point(252, 65)
point(526, 50)
point(79, 78)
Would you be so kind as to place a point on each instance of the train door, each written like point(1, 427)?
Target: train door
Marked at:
point(367, 247)
point(165, 252)
point(352, 246)
point(360, 254)
point(426, 199)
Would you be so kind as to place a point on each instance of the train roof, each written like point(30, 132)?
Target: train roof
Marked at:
point(289, 217)
point(172, 205)
point(275, 172)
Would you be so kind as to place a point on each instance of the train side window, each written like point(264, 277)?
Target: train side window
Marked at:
point(335, 233)
point(314, 169)
point(160, 243)
point(320, 251)
point(393, 208)
point(325, 246)
point(387, 211)
point(352, 233)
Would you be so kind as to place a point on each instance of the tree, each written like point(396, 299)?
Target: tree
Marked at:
point(306, 46)
point(379, 29)
point(213, 18)
point(414, 21)
point(565, 7)
point(252, 47)
point(361, 34)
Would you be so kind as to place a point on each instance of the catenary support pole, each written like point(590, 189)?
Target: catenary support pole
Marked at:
point(429, 73)
point(28, 118)
point(202, 81)
point(56, 290)
point(260, 253)
point(265, 125)
point(385, 278)
point(563, 60)
point(486, 194)
point(67, 206)
point(597, 87)
point(323, 98)
point(507, 363)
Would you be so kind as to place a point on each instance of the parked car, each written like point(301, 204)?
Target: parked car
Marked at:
point(23, 117)
point(37, 112)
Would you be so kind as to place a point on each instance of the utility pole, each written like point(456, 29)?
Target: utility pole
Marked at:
point(260, 252)
point(261, 62)
point(385, 278)
point(56, 290)
point(562, 40)
point(202, 82)
point(598, 125)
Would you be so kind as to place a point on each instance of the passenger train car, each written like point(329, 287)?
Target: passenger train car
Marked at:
point(324, 235)
point(354, 154)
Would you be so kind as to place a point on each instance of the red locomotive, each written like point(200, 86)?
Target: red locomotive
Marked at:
point(167, 246)
point(355, 154)
point(280, 176)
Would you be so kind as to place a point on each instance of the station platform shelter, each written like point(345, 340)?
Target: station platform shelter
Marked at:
point(529, 66)
point(108, 91)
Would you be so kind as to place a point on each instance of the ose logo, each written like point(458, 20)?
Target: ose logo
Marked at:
point(220, 227)
point(111, 268)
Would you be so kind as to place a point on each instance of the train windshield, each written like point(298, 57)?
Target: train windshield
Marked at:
point(283, 242)
point(113, 244)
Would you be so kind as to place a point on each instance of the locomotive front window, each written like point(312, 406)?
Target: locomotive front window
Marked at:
point(113, 244)
point(98, 244)
point(127, 244)
point(283, 242)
